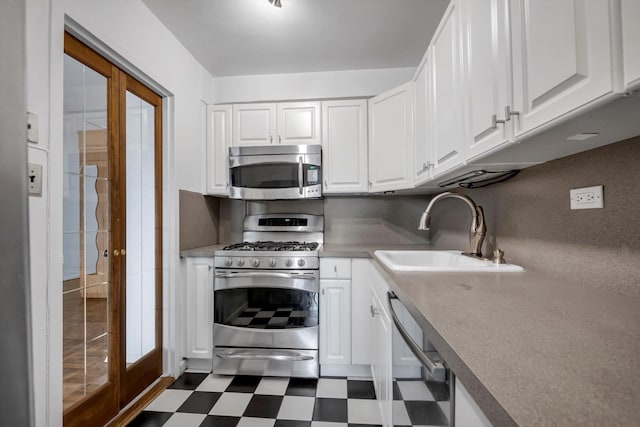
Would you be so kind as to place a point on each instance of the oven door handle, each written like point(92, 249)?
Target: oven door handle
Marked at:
point(436, 369)
point(265, 274)
point(300, 174)
point(295, 357)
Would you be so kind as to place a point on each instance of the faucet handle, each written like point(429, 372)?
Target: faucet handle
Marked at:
point(498, 257)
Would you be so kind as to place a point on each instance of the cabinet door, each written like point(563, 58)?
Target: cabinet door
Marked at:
point(298, 123)
point(199, 308)
point(422, 141)
point(391, 140)
point(631, 43)
point(446, 108)
point(335, 322)
point(381, 356)
point(486, 75)
point(561, 58)
point(254, 124)
point(344, 146)
point(360, 314)
point(218, 142)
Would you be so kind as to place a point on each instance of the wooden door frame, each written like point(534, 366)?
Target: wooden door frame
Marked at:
point(106, 401)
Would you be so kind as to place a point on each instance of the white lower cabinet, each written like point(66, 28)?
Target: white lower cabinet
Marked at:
point(335, 321)
point(199, 308)
point(380, 347)
point(467, 411)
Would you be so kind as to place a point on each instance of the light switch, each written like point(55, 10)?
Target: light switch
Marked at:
point(35, 179)
point(33, 128)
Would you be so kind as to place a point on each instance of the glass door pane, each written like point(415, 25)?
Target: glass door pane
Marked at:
point(86, 233)
point(141, 229)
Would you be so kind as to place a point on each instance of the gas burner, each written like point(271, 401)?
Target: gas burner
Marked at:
point(272, 246)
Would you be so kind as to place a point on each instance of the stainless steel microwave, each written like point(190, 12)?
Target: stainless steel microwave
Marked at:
point(275, 172)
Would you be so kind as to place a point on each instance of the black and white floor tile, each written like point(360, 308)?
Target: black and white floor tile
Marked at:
point(201, 399)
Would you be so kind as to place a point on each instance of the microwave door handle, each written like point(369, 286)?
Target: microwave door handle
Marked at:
point(300, 173)
point(435, 369)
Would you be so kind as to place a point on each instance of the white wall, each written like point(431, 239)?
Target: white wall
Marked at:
point(327, 84)
point(135, 34)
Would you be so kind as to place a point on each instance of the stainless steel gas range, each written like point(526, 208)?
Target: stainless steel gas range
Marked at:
point(266, 298)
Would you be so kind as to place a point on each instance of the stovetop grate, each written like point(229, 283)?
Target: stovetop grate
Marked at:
point(272, 246)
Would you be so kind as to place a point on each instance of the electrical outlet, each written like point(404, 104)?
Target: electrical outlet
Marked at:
point(587, 198)
point(35, 179)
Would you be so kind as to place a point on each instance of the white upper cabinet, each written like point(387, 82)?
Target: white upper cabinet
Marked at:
point(446, 106)
point(631, 43)
point(391, 140)
point(562, 58)
point(486, 75)
point(282, 123)
point(422, 140)
point(298, 123)
point(344, 146)
point(218, 143)
point(254, 124)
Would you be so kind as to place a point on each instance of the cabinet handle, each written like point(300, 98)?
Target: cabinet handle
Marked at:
point(370, 184)
point(279, 139)
point(374, 311)
point(210, 267)
point(322, 291)
point(270, 139)
point(325, 184)
point(495, 121)
point(508, 113)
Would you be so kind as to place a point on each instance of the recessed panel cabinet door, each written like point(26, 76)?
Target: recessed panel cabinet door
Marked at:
point(298, 123)
point(391, 140)
point(344, 146)
point(218, 141)
point(561, 58)
point(447, 114)
point(487, 75)
point(335, 321)
point(422, 141)
point(199, 308)
point(254, 124)
point(631, 43)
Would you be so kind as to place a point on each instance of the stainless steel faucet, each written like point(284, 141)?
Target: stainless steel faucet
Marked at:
point(478, 227)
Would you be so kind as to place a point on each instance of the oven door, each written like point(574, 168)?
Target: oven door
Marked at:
point(266, 309)
point(279, 176)
point(422, 384)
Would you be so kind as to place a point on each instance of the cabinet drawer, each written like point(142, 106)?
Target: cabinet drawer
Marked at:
point(335, 268)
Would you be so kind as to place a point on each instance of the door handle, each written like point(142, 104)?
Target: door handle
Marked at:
point(300, 173)
point(436, 369)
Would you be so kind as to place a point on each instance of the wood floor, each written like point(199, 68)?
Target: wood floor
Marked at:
point(85, 343)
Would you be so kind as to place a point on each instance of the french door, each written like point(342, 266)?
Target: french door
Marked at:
point(112, 290)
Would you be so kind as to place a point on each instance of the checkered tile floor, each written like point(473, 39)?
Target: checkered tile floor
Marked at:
point(201, 399)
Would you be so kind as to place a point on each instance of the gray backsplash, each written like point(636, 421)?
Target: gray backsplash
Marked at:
point(528, 217)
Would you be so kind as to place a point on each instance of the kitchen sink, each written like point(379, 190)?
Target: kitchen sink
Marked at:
point(451, 261)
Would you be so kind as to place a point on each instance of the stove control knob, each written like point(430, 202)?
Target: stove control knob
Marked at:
point(272, 262)
point(240, 262)
point(255, 262)
point(228, 262)
point(301, 262)
point(288, 263)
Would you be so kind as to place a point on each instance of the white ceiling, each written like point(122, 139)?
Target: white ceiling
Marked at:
point(243, 37)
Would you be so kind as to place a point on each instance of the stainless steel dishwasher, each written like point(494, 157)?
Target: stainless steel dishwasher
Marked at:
point(422, 383)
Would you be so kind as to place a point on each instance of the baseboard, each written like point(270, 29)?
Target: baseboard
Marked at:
point(199, 365)
point(345, 371)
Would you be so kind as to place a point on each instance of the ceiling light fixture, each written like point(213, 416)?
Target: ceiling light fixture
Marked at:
point(275, 3)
